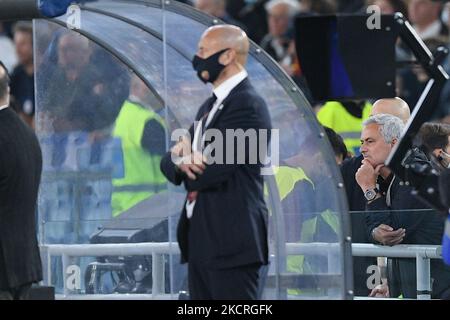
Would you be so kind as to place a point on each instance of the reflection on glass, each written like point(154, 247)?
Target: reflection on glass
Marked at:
point(93, 114)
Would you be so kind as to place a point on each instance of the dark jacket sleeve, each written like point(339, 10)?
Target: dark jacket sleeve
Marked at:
point(355, 197)
point(251, 116)
point(154, 138)
point(168, 168)
point(377, 212)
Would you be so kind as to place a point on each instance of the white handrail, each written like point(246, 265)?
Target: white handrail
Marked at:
point(422, 254)
point(131, 249)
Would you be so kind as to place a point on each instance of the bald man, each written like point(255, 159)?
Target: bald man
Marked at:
point(222, 232)
point(356, 200)
point(394, 106)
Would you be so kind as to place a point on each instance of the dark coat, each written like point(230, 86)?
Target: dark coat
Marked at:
point(229, 223)
point(357, 206)
point(20, 172)
point(422, 228)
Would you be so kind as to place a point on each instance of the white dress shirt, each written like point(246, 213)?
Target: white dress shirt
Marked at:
point(4, 107)
point(221, 92)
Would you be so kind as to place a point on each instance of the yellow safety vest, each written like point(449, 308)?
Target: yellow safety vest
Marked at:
point(334, 115)
point(142, 176)
point(286, 179)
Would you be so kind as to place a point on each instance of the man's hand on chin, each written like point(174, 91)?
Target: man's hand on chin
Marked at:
point(367, 175)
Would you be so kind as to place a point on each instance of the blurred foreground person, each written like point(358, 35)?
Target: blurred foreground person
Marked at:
point(20, 173)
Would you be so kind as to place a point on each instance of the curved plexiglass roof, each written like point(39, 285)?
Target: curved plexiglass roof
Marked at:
point(155, 42)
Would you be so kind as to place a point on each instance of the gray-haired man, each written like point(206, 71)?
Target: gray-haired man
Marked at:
point(392, 216)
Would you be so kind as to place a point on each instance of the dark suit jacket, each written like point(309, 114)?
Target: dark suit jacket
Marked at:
point(422, 227)
point(20, 172)
point(229, 223)
point(357, 206)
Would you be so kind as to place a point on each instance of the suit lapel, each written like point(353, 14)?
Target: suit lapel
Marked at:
point(225, 101)
point(217, 114)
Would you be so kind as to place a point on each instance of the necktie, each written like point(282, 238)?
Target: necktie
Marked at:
point(192, 196)
point(211, 101)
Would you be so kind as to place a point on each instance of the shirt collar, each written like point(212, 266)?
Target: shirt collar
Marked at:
point(224, 89)
point(3, 107)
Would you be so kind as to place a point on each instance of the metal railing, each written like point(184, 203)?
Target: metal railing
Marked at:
point(422, 254)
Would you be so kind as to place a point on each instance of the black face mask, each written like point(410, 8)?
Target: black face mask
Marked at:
point(210, 65)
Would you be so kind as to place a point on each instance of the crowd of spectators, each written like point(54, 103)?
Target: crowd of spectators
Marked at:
point(269, 23)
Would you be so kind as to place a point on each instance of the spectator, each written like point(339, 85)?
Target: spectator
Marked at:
point(7, 51)
point(346, 119)
point(73, 55)
point(338, 145)
point(20, 173)
point(233, 7)
point(142, 146)
point(442, 112)
point(253, 15)
point(425, 17)
point(22, 78)
point(280, 17)
point(412, 81)
point(350, 6)
point(300, 177)
point(390, 6)
point(435, 141)
point(386, 196)
point(87, 87)
point(356, 200)
point(319, 6)
point(279, 43)
point(217, 8)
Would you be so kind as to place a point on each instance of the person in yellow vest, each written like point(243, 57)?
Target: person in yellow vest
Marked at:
point(142, 134)
point(318, 224)
point(303, 224)
point(346, 119)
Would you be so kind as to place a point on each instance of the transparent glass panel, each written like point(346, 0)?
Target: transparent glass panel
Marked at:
point(102, 131)
point(134, 258)
point(306, 206)
point(77, 118)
